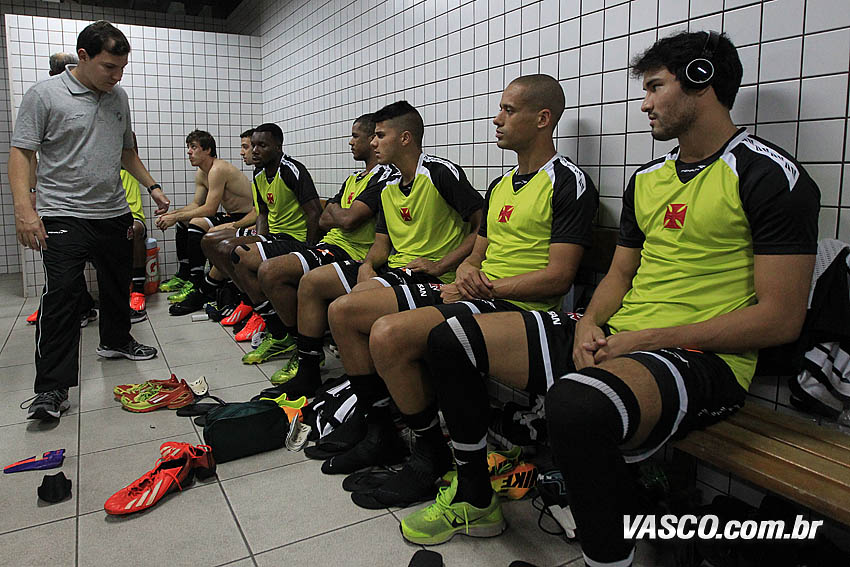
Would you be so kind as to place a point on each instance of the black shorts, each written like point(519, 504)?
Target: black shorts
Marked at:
point(321, 254)
point(413, 296)
point(278, 244)
point(222, 218)
point(389, 277)
point(246, 231)
point(697, 388)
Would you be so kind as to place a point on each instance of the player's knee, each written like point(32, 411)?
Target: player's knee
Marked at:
point(589, 404)
point(309, 285)
point(387, 337)
point(200, 222)
point(267, 275)
point(456, 343)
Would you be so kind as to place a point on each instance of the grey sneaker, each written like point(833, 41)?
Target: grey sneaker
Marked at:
point(49, 405)
point(132, 351)
point(88, 316)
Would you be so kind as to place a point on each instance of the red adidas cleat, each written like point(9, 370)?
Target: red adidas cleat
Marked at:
point(254, 325)
point(240, 313)
point(199, 456)
point(168, 474)
point(33, 318)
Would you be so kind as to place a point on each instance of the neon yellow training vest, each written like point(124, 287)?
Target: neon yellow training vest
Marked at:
point(358, 241)
point(421, 224)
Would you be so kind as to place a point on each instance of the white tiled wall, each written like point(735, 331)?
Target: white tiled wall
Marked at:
point(177, 80)
point(325, 63)
point(10, 261)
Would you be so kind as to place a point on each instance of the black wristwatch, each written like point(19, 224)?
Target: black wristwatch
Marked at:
point(154, 186)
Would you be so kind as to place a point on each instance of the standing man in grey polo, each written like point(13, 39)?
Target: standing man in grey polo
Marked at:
point(79, 122)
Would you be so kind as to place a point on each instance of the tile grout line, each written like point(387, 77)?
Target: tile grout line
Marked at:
point(236, 520)
point(320, 534)
point(79, 468)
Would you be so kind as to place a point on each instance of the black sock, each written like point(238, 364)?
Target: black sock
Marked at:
point(195, 255)
point(180, 243)
point(429, 442)
point(462, 394)
point(274, 326)
point(371, 391)
point(309, 355)
point(209, 286)
point(139, 279)
point(585, 432)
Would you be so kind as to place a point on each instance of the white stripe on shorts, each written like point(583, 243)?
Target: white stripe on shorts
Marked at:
point(342, 278)
point(304, 265)
point(544, 350)
point(683, 409)
point(409, 296)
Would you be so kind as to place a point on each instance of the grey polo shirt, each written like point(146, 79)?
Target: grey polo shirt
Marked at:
point(79, 136)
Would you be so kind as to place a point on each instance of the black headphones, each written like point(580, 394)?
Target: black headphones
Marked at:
point(700, 71)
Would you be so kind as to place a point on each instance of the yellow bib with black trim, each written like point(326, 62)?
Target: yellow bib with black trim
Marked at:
point(519, 228)
point(358, 241)
point(421, 224)
point(697, 259)
point(285, 213)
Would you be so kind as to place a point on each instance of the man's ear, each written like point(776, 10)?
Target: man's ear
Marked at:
point(544, 118)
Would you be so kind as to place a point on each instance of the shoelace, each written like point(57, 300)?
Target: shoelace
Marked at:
point(441, 506)
point(51, 396)
point(146, 479)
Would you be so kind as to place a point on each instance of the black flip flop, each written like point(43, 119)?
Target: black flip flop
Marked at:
point(426, 558)
point(367, 480)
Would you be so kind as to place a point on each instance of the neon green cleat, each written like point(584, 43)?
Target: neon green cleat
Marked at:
point(174, 284)
point(440, 521)
point(182, 293)
point(268, 349)
point(289, 371)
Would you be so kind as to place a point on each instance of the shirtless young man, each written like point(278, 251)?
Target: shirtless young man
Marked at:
point(217, 183)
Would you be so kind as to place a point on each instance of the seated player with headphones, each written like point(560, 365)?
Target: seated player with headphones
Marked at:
point(714, 261)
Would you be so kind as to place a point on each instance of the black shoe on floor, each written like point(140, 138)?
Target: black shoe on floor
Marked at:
point(380, 446)
point(49, 405)
point(340, 440)
point(194, 301)
point(131, 351)
point(415, 482)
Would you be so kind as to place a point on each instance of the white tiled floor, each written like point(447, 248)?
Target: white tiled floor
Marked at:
point(271, 509)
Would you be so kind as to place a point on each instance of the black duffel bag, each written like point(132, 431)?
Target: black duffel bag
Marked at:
point(242, 429)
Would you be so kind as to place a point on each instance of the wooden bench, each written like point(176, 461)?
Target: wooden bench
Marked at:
point(784, 454)
point(787, 455)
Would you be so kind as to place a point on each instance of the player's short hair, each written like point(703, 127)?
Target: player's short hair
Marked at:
point(58, 61)
point(103, 36)
point(406, 118)
point(543, 91)
point(273, 129)
point(367, 123)
point(676, 51)
point(203, 139)
point(247, 133)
